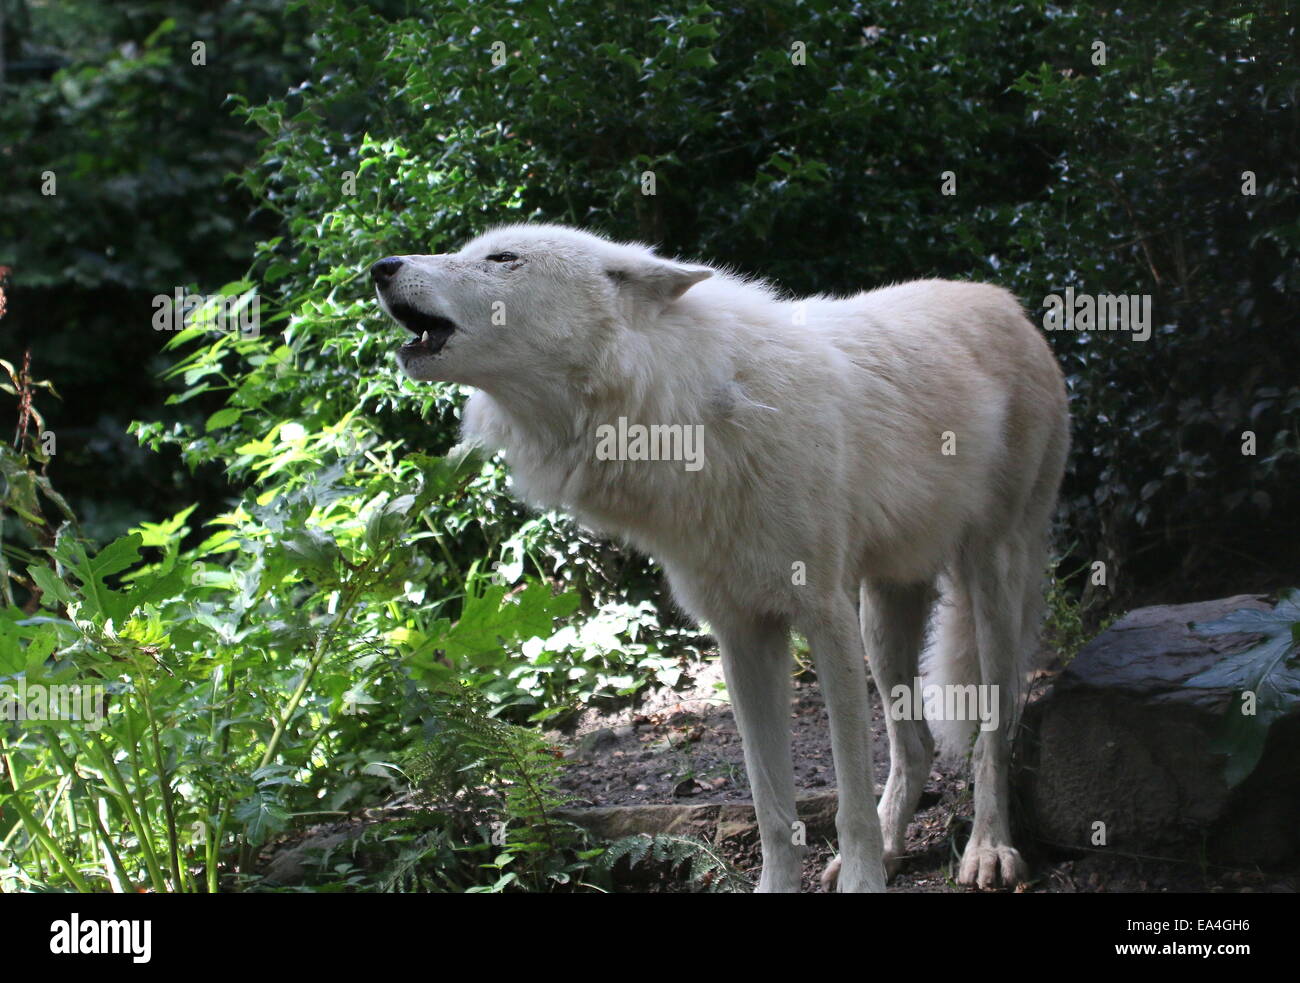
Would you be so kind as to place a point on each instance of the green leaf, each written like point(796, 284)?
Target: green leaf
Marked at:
point(262, 817)
point(44, 641)
point(491, 622)
point(51, 585)
point(101, 602)
point(313, 552)
point(1269, 669)
point(223, 418)
point(164, 533)
point(388, 521)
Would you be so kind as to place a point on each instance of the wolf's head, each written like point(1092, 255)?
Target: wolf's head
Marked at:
point(524, 306)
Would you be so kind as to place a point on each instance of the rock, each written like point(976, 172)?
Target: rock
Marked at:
point(1118, 738)
point(708, 820)
point(688, 787)
point(295, 864)
point(615, 822)
point(595, 741)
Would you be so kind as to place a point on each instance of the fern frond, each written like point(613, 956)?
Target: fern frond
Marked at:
point(706, 869)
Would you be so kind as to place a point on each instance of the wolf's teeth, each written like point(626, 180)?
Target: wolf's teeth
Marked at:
point(424, 338)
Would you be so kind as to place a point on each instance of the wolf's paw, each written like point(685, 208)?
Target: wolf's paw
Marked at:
point(991, 865)
point(831, 875)
point(772, 882)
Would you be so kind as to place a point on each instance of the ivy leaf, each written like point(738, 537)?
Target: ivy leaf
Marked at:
point(1269, 669)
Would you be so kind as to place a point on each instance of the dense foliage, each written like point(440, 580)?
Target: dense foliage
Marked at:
point(141, 147)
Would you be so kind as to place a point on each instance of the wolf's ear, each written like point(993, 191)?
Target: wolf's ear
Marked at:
point(657, 279)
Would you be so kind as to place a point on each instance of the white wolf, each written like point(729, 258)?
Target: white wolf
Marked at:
point(889, 448)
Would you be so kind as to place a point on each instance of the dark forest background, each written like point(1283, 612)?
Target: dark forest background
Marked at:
point(1125, 177)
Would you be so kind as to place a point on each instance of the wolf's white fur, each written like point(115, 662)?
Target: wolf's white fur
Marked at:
point(825, 481)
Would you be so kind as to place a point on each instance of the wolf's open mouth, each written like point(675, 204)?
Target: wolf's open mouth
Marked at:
point(431, 331)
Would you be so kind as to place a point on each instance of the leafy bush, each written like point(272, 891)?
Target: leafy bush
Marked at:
point(235, 679)
point(511, 772)
point(1149, 157)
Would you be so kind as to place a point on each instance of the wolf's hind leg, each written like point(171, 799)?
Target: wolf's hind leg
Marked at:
point(996, 582)
point(893, 629)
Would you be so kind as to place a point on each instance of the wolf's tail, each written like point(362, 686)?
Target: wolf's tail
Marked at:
point(951, 657)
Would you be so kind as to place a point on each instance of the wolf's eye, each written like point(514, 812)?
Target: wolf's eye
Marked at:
point(503, 257)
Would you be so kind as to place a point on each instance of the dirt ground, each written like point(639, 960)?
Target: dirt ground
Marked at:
point(678, 747)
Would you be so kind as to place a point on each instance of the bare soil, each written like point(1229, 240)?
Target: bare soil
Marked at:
point(683, 746)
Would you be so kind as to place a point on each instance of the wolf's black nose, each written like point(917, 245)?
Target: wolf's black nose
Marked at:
point(383, 270)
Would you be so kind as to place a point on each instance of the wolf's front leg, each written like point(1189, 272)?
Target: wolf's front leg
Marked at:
point(756, 662)
point(842, 674)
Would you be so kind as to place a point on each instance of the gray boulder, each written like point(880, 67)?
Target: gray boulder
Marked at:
point(1119, 738)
